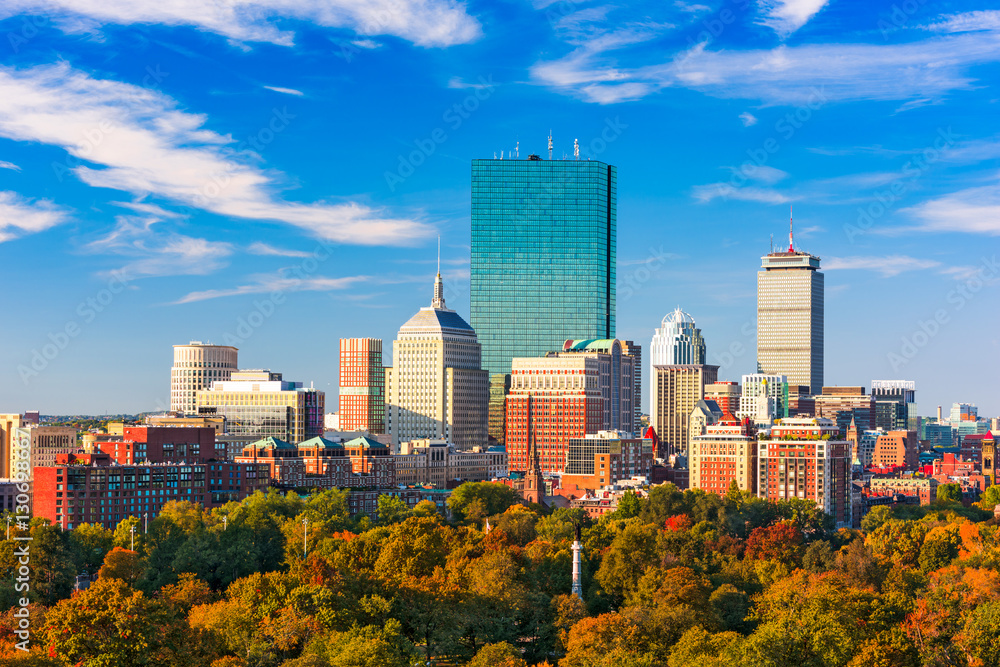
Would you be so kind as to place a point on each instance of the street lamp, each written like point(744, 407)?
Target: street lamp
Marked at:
point(145, 518)
point(8, 526)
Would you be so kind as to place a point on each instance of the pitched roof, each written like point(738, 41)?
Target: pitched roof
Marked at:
point(271, 442)
point(362, 441)
point(322, 443)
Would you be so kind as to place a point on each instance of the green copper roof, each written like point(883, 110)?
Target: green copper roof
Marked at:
point(270, 441)
point(322, 443)
point(593, 345)
point(362, 441)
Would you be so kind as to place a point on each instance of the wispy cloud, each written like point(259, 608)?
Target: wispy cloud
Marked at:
point(972, 210)
point(286, 91)
point(888, 266)
point(20, 216)
point(710, 191)
point(9, 165)
point(260, 248)
point(968, 22)
point(153, 251)
point(748, 119)
point(423, 22)
point(787, 16)
point(146, 145)
point(277, 282)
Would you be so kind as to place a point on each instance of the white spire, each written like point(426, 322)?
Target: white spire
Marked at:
point(438, 301)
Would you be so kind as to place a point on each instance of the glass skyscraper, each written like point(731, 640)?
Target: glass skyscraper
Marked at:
point(543, 255)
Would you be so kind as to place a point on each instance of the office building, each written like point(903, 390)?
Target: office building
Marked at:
point(706, 413)
point(635, 351)
point(543, 255)
point(790, 317)
point(196, 366)
point(436, 387)
point(260, 403)
point(90, 488)
point(499, 387)
point(961, 412)
point(896, 449)
point(895, 406)
point(725, 394)
point(800, 401)
point(773, 387)
point(44, 444)
point(585, 388)
point(606, 457)
point(164, 444)
point(795, 461)
point(727, 451)
point(842, 404)
point(677, 342)
point(676, 391)
point(8, 423)
point(441, 464)
point(362, 385)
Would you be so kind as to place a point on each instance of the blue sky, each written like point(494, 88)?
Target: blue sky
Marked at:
point(276, 174)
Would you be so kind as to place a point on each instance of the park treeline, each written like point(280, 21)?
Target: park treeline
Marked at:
point(678, 578)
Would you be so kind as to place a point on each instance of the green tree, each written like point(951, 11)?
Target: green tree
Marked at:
point(392, 509)
point(368, 646)
point(629, 505)
point(500, 654)
point(991, 498)
point(949, 493)
point(664, 501)
point(495, 498)
point(631, 553)
point(53, 569)
point(980, 637)
point(90, 543)
point(877, 516)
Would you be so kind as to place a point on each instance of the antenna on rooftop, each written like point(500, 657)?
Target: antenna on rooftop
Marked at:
point(517, 150)
point(576, 149)
point(791, 247)
point(550, 144)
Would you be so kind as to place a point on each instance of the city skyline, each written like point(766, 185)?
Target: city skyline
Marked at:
point(362, 137)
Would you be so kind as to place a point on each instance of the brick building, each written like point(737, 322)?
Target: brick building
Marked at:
point(726, 452)
point(607, 457)
point(164, 444)
point(897, 449)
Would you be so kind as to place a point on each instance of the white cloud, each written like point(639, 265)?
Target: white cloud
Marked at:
point(286, 91)
point(787, 16)
point(762, 173)
point(365, 43)
point(154, 252)
point(748, 119)
point(278, 282)
point(260, 248)
point(423, 22)
point(136, 140)
point(710, 191)
point(888, 266)
point(925, 70)
point(20, 216)
point(968, 22)
point(9, 165)
point(973, 210)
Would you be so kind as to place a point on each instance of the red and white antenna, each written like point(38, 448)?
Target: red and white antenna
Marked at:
point(791, 247)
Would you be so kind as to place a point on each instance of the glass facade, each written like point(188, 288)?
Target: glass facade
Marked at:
point(543, 256)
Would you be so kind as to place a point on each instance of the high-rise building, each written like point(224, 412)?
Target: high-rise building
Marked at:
point(436, 386)
point(896, 449)
point(963, 412)
point(677, 342)
point(585, 388)
point(727, 451)
point(8, 423)
point(790, 317)
point(796, 462)
point(362, 385)
point(842, 404)
point(196, 366)
point(604, 458)
point(499, 387)
point(725, 394)
point(259, 403)
point(676, 391)
point(756, 385)
point(895, 406)
point(635, 351)
point(44, 443)
point(543, 255)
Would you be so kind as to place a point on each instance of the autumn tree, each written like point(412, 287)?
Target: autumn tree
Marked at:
point(122, 564)
point(493, 498)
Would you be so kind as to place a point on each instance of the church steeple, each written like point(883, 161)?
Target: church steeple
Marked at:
point(438, 300)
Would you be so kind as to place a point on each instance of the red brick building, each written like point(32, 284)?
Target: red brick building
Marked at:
point(164, 444)
point(897, 449)
point(362, 385)
point(87, 488)
point(321, 463)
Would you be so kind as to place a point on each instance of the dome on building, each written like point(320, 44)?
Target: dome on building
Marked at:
point(677, 316)
point(437, 319)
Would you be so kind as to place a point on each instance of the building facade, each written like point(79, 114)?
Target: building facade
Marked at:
point(897, 449)
point(436, 387)
point(442, 465)
point(196, 366)
point(677, 342)
point(842, 404)
point(499, 388)
point(606, 457)
point(804, 458)
point(585, 388)
point(261, 404)
point(88, 488)
point(725, 394)
point(44, 444)
point(790, 317)
point(676, 391)
point(362, 385)
point(895, 406)
point(726, 452)
point(543, 255)
point(164, 444)
point(773, 387)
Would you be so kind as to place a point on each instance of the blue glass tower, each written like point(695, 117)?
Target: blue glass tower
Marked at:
point(543, 256)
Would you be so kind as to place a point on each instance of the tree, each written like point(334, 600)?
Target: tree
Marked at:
point(699, 647)
point(123, 536)
point(52, 564)
point(495, 498)
point(949, 493)
point(663, 502)
point(991, 498)
point(631, 553)
point(391, 509)
point(518, 522)
point(980, 637)
point(90, 543)
point(500, 654)
point(629, 505)
point(369, 646)
point(877, 516)
point(819, 557)
point(781, 542)
point(122, 564)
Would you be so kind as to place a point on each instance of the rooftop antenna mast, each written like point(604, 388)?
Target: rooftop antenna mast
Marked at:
point(576, 149)
point(550, 144)
point(517, 150)
point(439, 255)
point(791, 248)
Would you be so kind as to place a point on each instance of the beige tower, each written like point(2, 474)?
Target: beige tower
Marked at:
point(197, 366)
point(436, 388)
point(790, 317)
point(676, 391)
